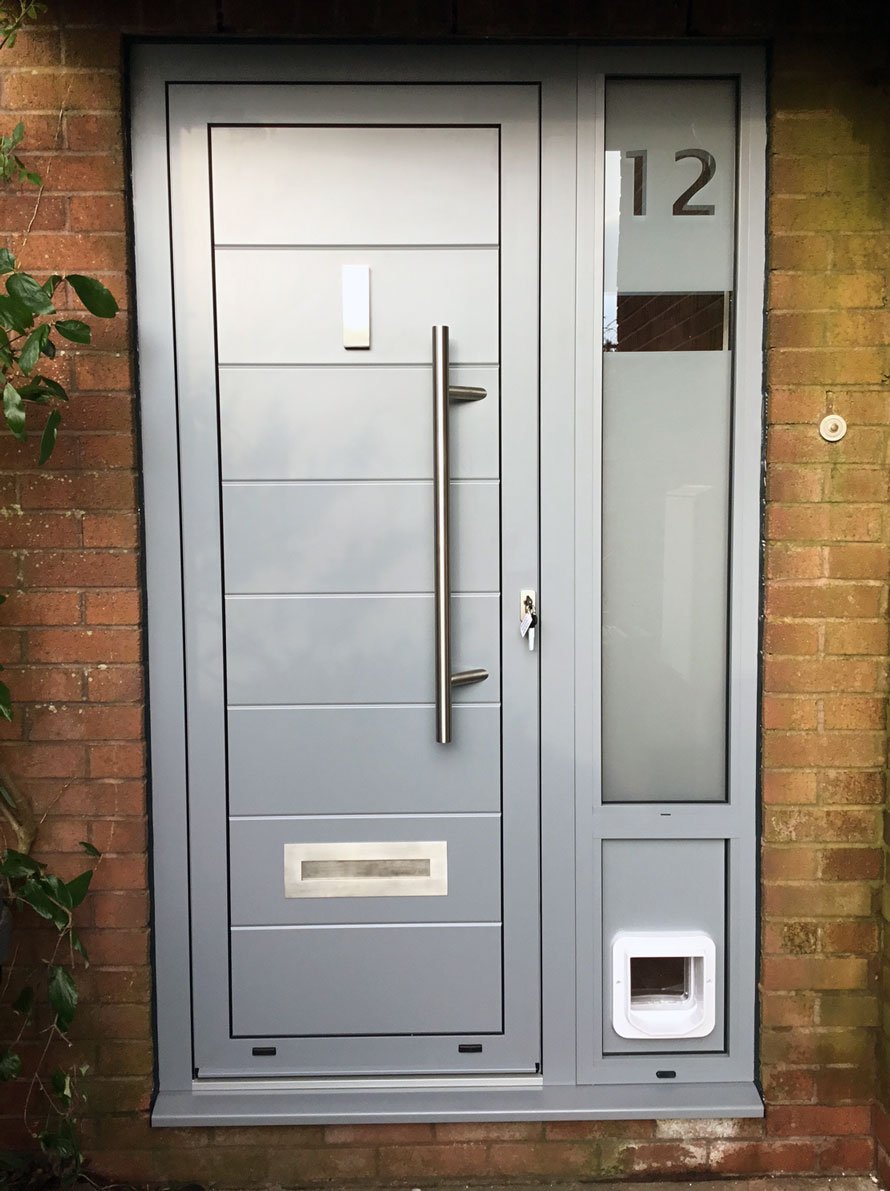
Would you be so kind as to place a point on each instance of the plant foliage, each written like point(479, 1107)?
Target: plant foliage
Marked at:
point(33, 328)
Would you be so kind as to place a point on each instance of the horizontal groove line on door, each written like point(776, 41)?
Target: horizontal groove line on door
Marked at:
point(416, 482)
point(346, 706)
point(420, 365)
point(351, 595)
point(363, 925)
point(352, 247)
point(370, 818)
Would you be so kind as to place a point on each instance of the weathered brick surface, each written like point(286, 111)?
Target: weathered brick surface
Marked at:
point(72, 633)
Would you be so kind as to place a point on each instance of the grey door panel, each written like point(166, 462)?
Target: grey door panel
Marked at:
point(354, 649)
point(258, 888)
point(346, 760)
point(355, 537)
point(683, 890)
point(366, 980)
point(309, 466)
point(411, 290)
point(346, 198)
point(350, 423)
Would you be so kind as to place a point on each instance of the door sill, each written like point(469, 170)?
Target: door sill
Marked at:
point(316, 1102)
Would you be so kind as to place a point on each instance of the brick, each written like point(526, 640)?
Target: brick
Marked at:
point(820, 674)
point(107, 451)
point(818, 1120)
point(84, 722)
point(74, 568)
point(753, 1157)
point(119, 530)
point(791, 561)
point(40, 607)
point(112, 607)
point(38, 531)
point(805, 823)
point(848, 1155)
point(827, 599)
point(117, 760)
point(790, 482)
point(88, 131)
point(857, 637)
point(83, 645)
point(823, 748)
point(114, 684)
point(52, 90)
point(859, 561)
point(787, 712)
point(817, 900)
point(828, 291)
point(71, 490)
point(791, 637)
point(789, 864)
point(440, 1161)
point(105, 373)
point(850, 864)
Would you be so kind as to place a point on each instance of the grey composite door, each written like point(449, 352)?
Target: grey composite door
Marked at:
point(364, 898)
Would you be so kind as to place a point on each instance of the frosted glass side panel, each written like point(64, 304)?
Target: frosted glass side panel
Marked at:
point(669, 264)
point(665, 505)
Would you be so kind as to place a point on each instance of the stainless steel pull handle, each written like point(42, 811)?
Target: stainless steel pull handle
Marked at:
point(442, 393)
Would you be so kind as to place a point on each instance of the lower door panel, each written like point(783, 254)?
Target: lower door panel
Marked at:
point(375, 979)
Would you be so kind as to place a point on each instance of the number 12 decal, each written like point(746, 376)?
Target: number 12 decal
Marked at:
point(682, 205)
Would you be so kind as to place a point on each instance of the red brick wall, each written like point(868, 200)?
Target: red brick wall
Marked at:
point(71, 634)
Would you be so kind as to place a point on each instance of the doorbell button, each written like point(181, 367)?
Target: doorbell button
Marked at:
point(833, 428)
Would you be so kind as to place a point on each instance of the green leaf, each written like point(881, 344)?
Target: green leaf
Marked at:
point(97, 299)
point(30, 293)
point(44, 384)
point(13, 411)
point(10, 1065)
point(8, 798)
point(18, 134)
point(49, 349)
point(90, 849)
point(7, 262)
point(62, 995)
point(34, 179)
point(30, 353)
point(17, 864)
point(51, 283)
point(78, 887)
point(24, 1002)
point(6, 710)
point(35, 895)
point(73, 329)
point(57, 890)
point(48, 438)
point(13, 315)
point(60, 1081)
point(79, 947)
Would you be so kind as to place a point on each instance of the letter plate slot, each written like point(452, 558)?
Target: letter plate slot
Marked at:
point(400, 868)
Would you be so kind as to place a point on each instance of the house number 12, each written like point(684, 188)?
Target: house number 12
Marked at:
point(682, 205)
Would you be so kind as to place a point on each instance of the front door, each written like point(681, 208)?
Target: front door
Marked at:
point(363, 827)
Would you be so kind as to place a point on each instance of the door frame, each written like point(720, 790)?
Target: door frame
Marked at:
point(577, 1080)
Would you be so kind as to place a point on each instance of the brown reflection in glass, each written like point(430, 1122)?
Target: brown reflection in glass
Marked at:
point(695, 322)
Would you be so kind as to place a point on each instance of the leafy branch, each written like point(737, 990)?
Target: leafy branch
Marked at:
point(13, 16)
point(28, 885)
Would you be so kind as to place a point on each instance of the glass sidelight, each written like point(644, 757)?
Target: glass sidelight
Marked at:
point(669, 264)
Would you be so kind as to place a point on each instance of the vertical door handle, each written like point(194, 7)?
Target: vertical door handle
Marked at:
point(442, 393)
